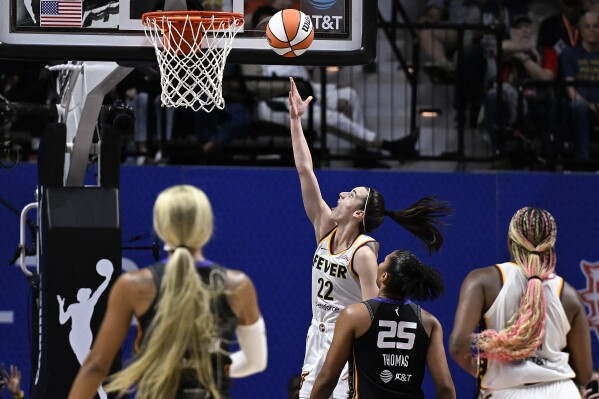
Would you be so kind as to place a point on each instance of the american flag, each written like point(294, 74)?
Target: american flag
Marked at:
point(59, 13)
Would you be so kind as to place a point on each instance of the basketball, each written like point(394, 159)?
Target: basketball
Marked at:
point(290, 32)
point(104, 268)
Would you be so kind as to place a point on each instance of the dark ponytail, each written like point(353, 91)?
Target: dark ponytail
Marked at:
point(409, 278)
point(422, 219)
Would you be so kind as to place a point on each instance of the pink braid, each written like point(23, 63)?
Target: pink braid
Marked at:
point(525, 331)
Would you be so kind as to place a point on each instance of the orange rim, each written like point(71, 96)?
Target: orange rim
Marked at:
point(204, 18)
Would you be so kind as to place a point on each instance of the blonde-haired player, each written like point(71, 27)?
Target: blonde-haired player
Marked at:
point(188, 309)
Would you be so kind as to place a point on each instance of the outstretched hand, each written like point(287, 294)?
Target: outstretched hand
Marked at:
point(60, 299)
point(13, 382)
point(297, 106)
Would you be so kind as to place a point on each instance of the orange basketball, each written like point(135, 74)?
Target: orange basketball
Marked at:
point(290, 32)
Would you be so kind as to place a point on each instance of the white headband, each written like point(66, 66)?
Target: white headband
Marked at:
point(365, 205)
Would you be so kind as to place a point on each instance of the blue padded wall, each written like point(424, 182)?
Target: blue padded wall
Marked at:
point(261, 228)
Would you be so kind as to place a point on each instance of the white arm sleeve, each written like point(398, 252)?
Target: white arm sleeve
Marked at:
point(253, 353)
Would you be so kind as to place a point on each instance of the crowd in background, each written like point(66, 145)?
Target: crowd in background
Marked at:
point(542, 46)
point(540, 43)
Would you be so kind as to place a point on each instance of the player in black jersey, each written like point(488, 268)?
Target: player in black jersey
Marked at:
point(388, 339)
point(188, 308)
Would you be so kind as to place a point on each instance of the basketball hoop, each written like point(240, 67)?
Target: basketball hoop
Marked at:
point(192, 49)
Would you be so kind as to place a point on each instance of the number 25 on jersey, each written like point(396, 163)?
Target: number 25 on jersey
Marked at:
point(390, 330)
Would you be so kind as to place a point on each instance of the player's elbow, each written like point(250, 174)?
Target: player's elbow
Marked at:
point(454, 347)
point(244, 366)
point(304, 168)
point(93, 367)
point(259, 364)
point(446, 391)
point(461, 353)
point(459, 349)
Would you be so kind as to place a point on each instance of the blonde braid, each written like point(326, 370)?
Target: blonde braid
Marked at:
point(532, 234)
point(183, 329)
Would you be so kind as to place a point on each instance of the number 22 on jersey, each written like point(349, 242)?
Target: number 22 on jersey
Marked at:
point(325, 289)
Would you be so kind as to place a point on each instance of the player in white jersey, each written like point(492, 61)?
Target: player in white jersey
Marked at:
point(345, 263)
point(535, 341)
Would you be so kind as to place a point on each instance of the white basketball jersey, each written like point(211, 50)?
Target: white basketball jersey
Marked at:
point(549, 362)
point(334, 282)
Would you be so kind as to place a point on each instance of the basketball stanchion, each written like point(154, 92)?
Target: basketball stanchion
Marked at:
point(191, 49)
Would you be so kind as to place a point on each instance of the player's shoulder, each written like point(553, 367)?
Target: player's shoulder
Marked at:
point(429, 317)
point(135, 283)
point(356, 314)
point(571, 298)
point(355, 307)
point(355, 310)
point(136, 277)
point(481, 274)
point(236, 278)
point(484, 277)
point(430, 322)
point(368, 249)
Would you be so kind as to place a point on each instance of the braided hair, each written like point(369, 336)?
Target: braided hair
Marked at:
point(531, 241)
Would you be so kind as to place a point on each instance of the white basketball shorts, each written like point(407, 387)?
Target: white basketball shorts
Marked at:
point(318, 341)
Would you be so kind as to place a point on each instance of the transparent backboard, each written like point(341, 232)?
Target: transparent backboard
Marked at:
point(111, 30)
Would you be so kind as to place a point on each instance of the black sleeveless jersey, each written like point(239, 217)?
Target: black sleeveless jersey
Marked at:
point(389, 359)
point(213, 275)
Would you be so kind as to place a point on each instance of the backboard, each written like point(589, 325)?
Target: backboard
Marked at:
point(111, 30)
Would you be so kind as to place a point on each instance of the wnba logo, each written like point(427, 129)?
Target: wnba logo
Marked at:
point(322, 4)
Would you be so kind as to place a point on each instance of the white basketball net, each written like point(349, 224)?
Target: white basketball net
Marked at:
point(191, 57)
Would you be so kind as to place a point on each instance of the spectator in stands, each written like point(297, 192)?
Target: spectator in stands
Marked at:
point(556, 33)
point(23, 81)
point(165, 122)
point(210, 131)
point(591, 5)
point(135, 91)
point(344, 110)
point(344, 113)
point(439, 44)
point(519, 66)
point(561, 30)
point(217, 128)
point(344, 107)
point(498, 15)
point(582, 63)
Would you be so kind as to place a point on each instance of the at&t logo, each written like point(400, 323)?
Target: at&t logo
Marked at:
point(322, 4)
point(386, 376)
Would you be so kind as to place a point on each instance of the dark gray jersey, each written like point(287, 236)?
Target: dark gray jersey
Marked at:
point(389, 359)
